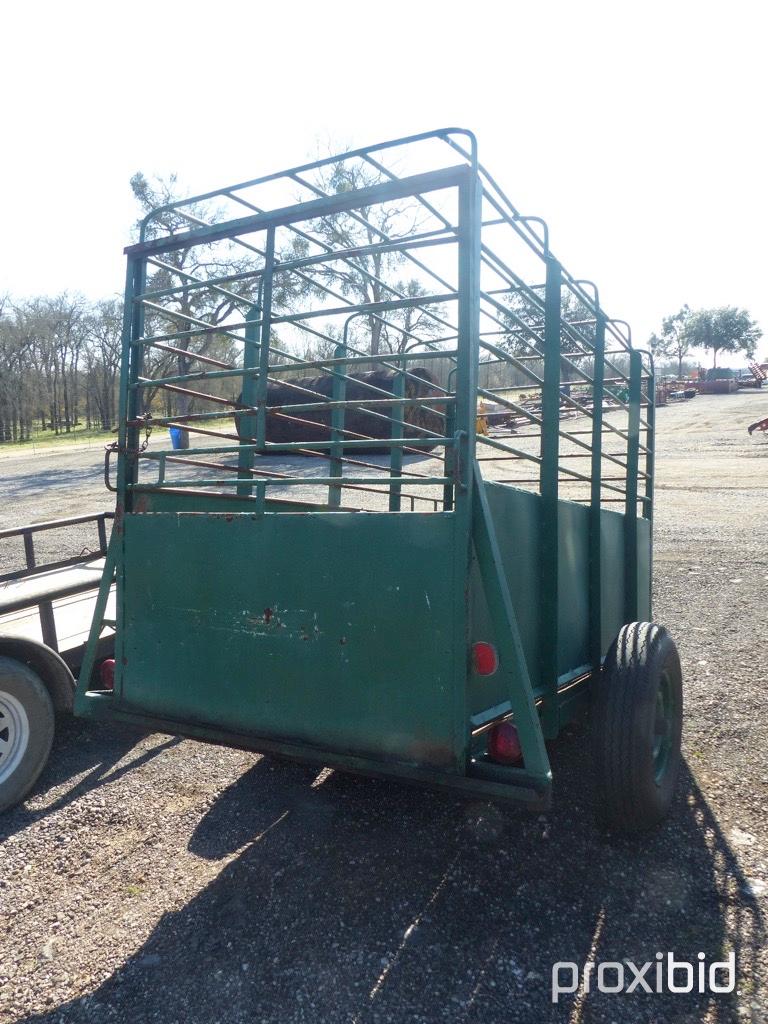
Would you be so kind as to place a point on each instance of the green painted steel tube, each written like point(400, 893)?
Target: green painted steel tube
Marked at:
point(303, 481)
point(511, 656)
point(326, 206)
point(249, 396)
point(294, 446)
point(595, 544)
point(396, 452)
point(444, 134)
point(650, 469)
point(548, 485)
point(265, 340)
point(132, 359)
point(337, 428)
point(630, 507)
point(465, 412)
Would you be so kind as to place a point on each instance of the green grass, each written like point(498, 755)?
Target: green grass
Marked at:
point(79, 435)
point(47, 439)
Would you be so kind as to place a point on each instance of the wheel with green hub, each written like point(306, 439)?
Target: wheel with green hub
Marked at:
point(637, 728)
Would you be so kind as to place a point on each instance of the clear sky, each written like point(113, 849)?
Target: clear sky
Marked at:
point(638, 130)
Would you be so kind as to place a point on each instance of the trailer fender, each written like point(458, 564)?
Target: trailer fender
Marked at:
point(47, 664)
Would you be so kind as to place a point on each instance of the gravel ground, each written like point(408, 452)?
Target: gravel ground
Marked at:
point(150, 878)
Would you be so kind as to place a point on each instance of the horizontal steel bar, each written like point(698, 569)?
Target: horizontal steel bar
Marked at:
point(326, 206)
point(290, 446)
point(44, 567)
point(365, 308)
point(23, 601)
point(304, 481)
point(55, 524)
point(500, 446)
point(195, 356)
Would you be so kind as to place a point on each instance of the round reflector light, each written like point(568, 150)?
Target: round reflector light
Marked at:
point(485, 659)
point(107, 673)
point(504, 744)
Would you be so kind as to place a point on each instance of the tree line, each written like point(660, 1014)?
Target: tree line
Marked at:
point(59, 360)
point(60, 356)
point(725, 329)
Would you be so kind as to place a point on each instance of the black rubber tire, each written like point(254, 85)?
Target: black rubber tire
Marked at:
point(21, 683)
point(634, 785)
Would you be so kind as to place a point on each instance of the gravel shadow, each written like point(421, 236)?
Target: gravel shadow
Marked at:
point(343, 898)
point(81, 750)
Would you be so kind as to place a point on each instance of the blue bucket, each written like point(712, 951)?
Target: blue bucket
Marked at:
point(175, 433)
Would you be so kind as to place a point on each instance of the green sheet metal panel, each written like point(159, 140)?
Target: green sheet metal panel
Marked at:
point(611, 576)
point(335, 630)
point(573, 598)
point(516, 520)
point(192, 501)
point(644, 598)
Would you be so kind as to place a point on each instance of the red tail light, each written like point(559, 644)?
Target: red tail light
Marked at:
point(107, 674)
point(504, 744)
point(485, 659)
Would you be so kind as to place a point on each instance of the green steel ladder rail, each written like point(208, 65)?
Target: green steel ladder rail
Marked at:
point(511, 656)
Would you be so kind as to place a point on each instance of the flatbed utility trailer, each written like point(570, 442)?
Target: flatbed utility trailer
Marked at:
point(420, 601)
point(46, 611)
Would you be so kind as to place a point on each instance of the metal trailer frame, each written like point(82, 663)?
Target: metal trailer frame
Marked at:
point(40, 585)
point(344, 636)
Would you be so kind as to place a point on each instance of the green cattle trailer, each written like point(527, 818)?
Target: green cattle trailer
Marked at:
point(428, 601)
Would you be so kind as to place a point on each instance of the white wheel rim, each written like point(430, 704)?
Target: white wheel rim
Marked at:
point(14, 734)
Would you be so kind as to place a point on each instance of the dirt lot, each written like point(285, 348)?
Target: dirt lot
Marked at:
point(149, 878)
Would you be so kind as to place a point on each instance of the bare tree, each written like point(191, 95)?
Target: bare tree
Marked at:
point(103, 333)
point(368, 276)
point(179, 271)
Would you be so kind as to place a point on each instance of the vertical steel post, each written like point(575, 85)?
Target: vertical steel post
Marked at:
point(338, 412)
point(48, 624)
point(45, 608)
point(101, 526)
point(266, 333)
point(467, 355)
point(131, 363)
point(595, 545)
point(396, 452)
point(449, 456)
point(650, 470)
point(29, 549)
point(247, 424)
point(131, 360)
point(630, 505)
point(548, 484)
